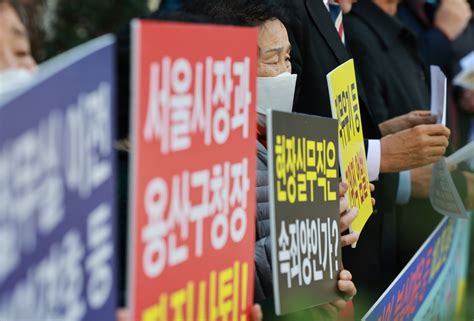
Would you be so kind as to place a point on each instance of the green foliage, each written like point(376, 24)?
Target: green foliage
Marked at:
point(78, 21)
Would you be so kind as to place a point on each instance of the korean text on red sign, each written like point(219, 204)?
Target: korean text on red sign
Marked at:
point(193, 185)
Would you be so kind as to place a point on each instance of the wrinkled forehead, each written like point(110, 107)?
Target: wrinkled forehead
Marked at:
point(272, 34)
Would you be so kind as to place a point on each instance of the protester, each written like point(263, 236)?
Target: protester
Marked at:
point(318, 47)
point(390, 66)
point(15, 49)
point(385, 52)
point(274, 61)
point(16, 61)
point(272, 33)
point(307, 37)
point(437, 27)
point(445, 34)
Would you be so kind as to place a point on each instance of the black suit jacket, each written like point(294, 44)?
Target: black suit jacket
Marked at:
point(317, 50)
point(386, 54)
point(392, 69)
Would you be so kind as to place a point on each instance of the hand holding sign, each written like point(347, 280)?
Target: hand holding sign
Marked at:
point(410, 120)
point(348, 215)
point(330, 311)
point(423, 144)
point(412, 148)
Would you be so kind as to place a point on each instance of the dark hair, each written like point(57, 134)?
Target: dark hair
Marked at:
point(242, 12)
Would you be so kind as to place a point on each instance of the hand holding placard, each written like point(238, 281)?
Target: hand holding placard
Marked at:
point(407, 121)
point(414, 147)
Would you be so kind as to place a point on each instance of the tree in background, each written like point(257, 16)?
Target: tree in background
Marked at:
point(58, 25)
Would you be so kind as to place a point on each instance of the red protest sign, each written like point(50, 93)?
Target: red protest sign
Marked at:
point(193, 171)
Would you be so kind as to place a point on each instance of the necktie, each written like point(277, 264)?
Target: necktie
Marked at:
point(336, 16)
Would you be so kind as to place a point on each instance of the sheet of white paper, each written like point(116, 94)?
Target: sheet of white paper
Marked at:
point(464, 154)
point(438, 94)
point(467, 61)
point(465, 78)
point(444, 196)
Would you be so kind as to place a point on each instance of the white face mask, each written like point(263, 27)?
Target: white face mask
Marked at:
point(276, 93)
point(13, 79)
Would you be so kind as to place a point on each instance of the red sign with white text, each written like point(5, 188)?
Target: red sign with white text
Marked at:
point(193, 172)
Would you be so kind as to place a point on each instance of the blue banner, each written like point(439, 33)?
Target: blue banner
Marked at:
point(432, 286)
point(57, 206)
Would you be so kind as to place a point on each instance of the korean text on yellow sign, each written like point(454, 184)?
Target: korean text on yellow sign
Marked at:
point(345, 107)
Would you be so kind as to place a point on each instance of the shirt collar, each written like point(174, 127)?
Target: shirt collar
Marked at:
point(326, 4)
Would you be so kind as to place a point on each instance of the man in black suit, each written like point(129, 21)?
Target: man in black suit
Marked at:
point(317, 50)
point(388, 55)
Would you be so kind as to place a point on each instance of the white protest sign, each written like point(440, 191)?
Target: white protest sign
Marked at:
point(439, 86)
point(465, 78)
point(464, 154)
point(467, 61)
point(444, 196)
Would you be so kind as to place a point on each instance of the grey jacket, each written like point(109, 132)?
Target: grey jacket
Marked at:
point(263, 267)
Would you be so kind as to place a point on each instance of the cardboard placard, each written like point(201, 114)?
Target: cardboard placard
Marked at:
point(352, 158)
point(304, 210)
point(57, 191)
point(193, 171)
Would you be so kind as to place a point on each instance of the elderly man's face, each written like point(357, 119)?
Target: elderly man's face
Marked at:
point(274, 49)
point(15, 49)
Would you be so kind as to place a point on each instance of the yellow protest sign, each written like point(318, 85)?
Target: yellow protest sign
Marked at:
point(352, 158)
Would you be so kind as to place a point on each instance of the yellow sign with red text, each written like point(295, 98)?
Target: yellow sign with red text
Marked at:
point(353, 162)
